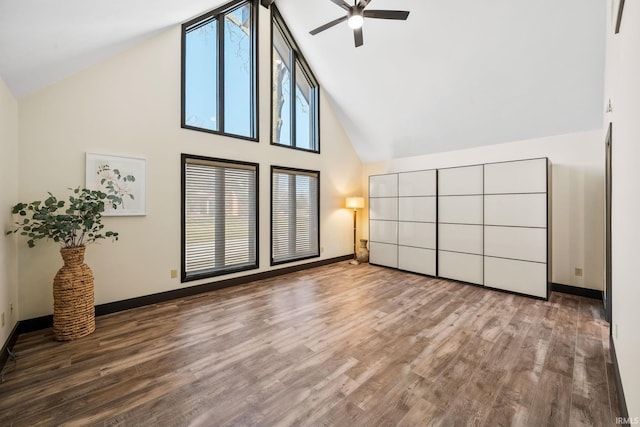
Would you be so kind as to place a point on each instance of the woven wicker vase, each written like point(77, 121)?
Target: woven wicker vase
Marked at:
point(73, 309)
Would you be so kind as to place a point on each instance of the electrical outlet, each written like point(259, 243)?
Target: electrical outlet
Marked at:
point(615, 330)
point(578, 272)
point(11, 307)
point(321, 249)
point(3, 319)
point(174, 273)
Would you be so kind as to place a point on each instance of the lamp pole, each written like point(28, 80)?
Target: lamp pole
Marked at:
point(355, 260)
point(355, 203)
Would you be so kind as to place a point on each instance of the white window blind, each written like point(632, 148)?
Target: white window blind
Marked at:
point(294, 215)
point(220, 217)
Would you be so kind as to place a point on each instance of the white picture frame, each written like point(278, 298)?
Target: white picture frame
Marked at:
point(100, 167)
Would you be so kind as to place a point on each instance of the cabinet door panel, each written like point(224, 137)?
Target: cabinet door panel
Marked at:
point(457, 181)
point(527, 244)
point(421, 209)
point(421, 183)
point(383, 208)
point(519, 210)
point(460, 209)
point(383, 185)
point(524, 277)
point(464, 267)
point(417, 260)
point(525, 176)
point(417, 234)
point(383, 254)
point(460, 238)
point(383, 231)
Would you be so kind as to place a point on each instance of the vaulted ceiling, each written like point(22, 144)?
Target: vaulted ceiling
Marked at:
point(454, 75)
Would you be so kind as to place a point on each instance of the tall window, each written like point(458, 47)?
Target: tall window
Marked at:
point(219, 217)
point(219, 79)
point(295, 211)
point(295, 111)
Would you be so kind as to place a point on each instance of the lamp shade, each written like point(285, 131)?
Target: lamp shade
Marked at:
point(355, 202)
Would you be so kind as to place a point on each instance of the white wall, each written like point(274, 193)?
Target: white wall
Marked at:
point(130, 105)
point(8, 195)
point(623, 88)
point(577, 195)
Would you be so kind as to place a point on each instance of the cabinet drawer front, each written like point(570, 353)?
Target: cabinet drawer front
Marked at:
point(527, 244)
point(524, 277)
point(383, 231)
point(460, 209)
point(421, 209)
point(464, 267)
point(526, 176)
point(383, 185)
point(422, 183)
point(417, 234)
point(383, 254)
point(457, 181)
point(383, 208)
point(519, 210)
point(460, 238)
point(417, 260)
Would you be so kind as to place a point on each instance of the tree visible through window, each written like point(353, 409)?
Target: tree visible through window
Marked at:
point(294, 95)
point(219, 77)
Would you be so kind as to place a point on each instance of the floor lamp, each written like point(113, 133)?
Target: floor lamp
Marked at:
point(355, 203)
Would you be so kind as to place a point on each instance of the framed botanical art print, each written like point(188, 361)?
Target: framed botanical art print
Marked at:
point(127, 176)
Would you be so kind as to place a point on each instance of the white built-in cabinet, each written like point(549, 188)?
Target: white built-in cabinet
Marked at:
point(417, 221)
point(516, 230)
point(383, 220)
point(460, 222)
point(481, 224)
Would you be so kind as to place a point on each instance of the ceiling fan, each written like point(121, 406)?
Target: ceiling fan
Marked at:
point(355, 17)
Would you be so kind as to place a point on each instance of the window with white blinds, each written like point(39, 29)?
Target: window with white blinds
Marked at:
point(219, 217)
point(295, 207)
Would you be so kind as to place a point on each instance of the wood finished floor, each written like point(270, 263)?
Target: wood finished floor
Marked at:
point(339, 345)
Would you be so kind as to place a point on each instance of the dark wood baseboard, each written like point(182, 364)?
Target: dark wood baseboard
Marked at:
point(574, 290)
point(9, 343)
point(624, 412)
point(44, 322)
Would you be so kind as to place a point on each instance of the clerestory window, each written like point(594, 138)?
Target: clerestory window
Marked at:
point(219, 77)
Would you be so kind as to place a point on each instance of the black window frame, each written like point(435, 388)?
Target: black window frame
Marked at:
point(296, 57)
point(301, 171)
point(218, 14)
point(184, 277)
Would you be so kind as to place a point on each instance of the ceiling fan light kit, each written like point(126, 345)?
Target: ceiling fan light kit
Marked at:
point(355, 18)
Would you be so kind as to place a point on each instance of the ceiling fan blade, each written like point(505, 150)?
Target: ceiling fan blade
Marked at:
point(328, 25)
point(363, 3)
point(357, 34)
point(386, 14)
point(343, 4)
